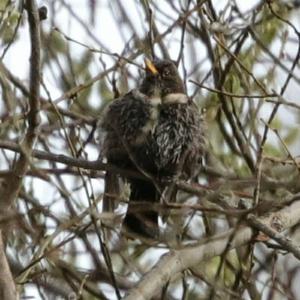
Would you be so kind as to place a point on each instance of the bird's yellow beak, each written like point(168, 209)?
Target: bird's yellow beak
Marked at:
point(150, 66)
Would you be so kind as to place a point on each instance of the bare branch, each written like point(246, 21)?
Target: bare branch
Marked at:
point(177, 261)
point(12, 185)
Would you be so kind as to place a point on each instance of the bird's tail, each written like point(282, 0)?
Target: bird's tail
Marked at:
point(111, 192)
point(142, 217)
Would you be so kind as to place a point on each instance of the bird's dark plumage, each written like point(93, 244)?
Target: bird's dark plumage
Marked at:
point(156, 130)
point(126, 122)
point(179, 140)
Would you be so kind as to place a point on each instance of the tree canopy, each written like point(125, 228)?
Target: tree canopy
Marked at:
point(62, 62)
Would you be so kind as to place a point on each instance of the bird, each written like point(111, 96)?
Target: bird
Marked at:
point(155, 130)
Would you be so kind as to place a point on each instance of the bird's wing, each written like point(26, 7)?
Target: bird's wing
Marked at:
point(122, 121)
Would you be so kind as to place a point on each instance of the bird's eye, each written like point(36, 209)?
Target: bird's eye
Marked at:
point(165, 73)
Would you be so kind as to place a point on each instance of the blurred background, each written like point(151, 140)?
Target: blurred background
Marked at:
point(240, 64)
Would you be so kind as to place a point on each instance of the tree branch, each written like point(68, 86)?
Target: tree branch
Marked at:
point(12, 184)
point(177, 261)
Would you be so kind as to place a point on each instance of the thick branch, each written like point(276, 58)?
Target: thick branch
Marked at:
point(177, 261)
point(7, 287)
point(12, 184)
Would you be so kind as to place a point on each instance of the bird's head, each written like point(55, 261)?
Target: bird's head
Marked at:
point(162, 76)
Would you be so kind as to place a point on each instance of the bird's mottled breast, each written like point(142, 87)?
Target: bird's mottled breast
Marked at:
point(159, 135)
point(178, 132)
point(152, 121)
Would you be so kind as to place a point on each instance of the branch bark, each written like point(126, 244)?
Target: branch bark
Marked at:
point(12, 185)
point(7, 286)
point(177, 261)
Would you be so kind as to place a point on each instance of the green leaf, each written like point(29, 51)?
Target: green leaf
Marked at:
point(292, 136)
